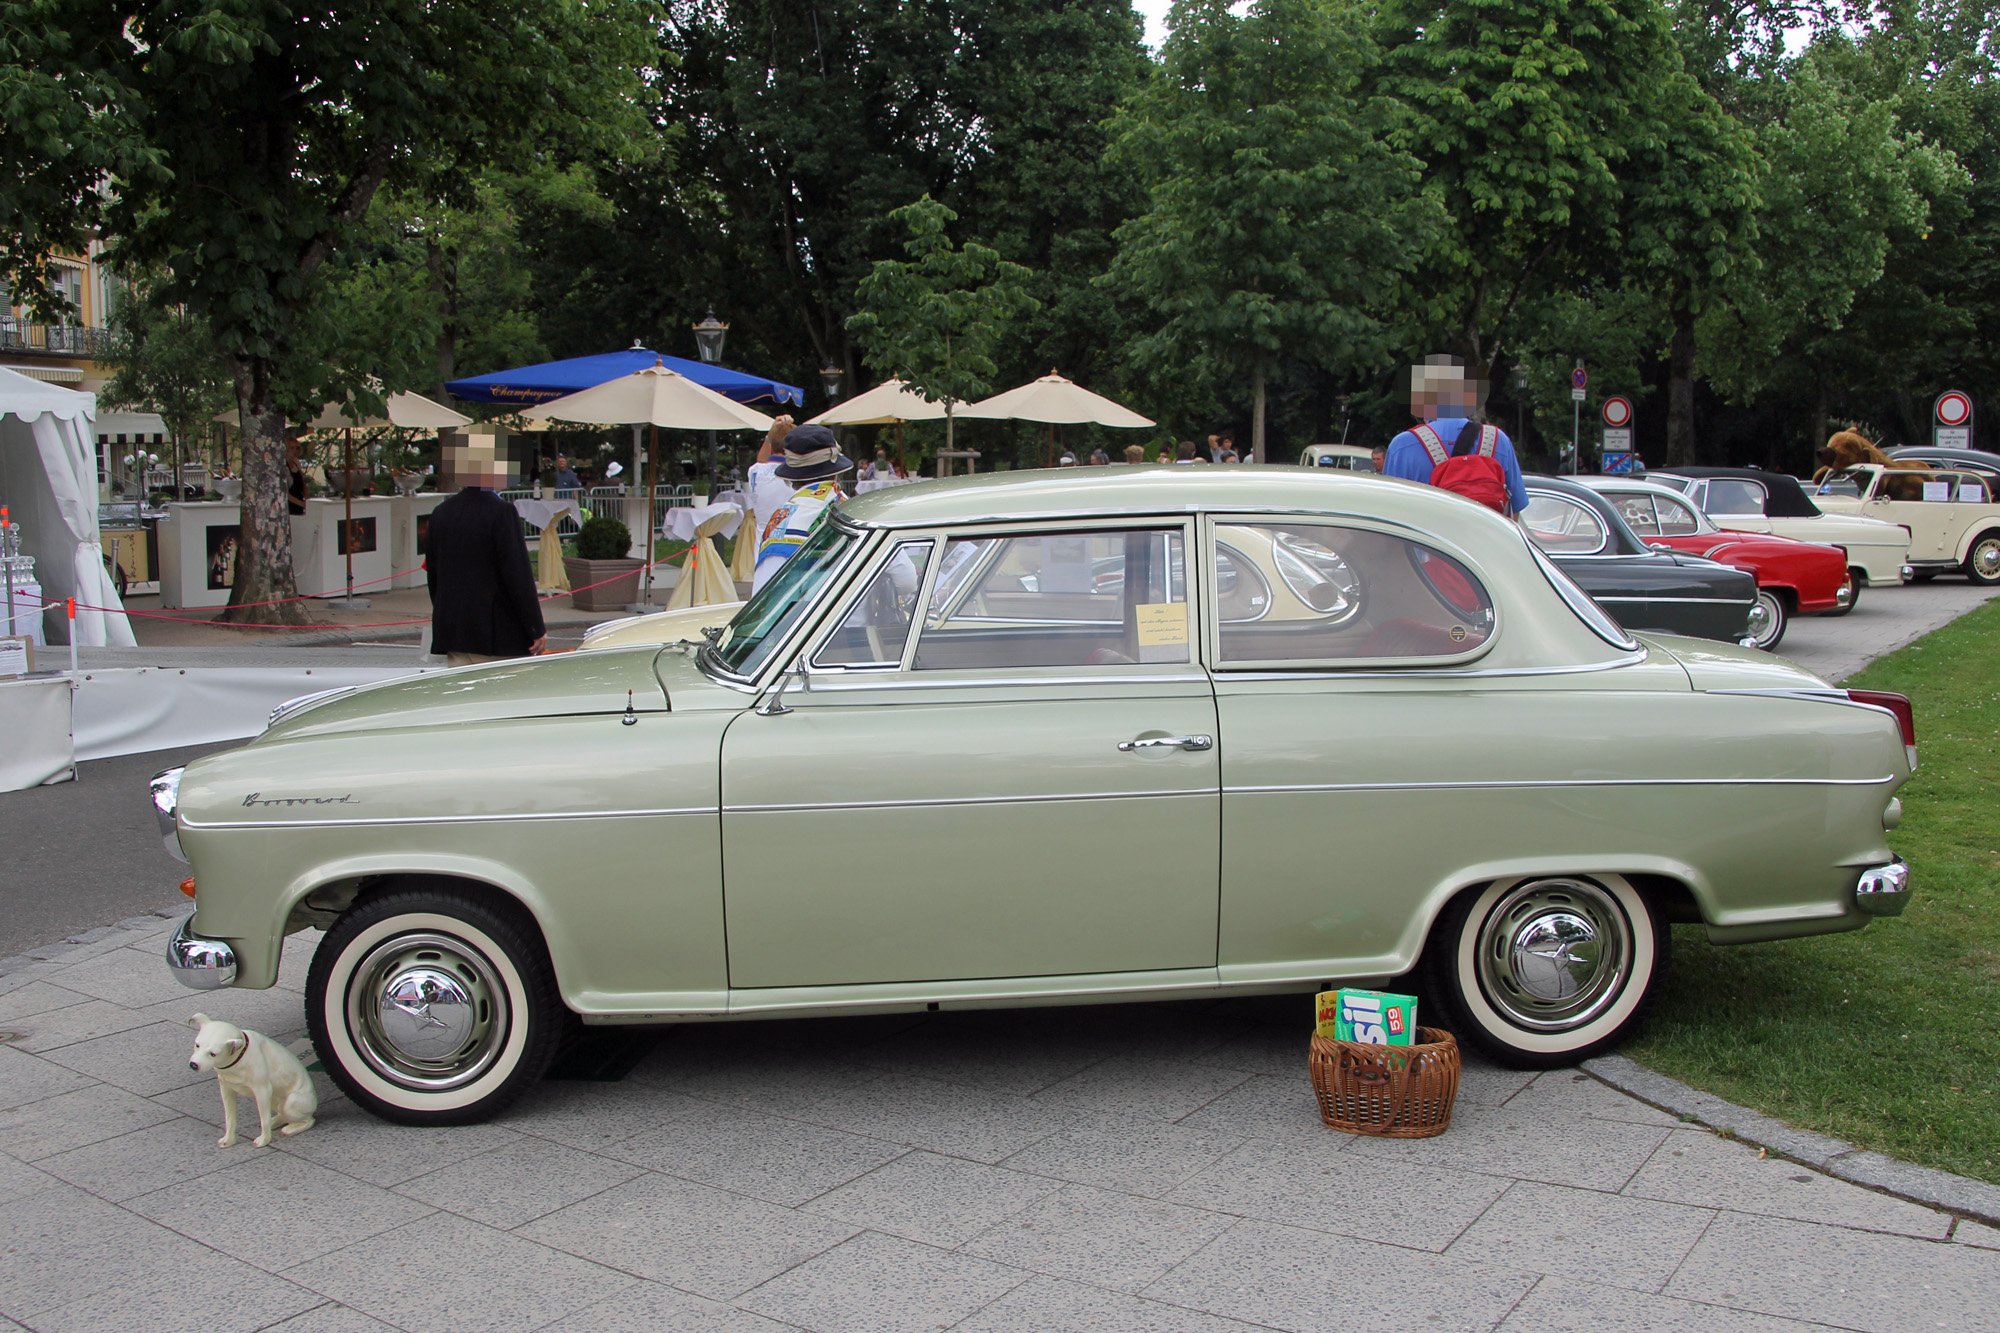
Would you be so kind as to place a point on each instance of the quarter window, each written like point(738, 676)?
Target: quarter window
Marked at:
point(1561, 526)
point(1676, 519)
point(1731, 495)
point(1058, 599)
point(877, 626)
point(1345, 594)
point(1637, 511)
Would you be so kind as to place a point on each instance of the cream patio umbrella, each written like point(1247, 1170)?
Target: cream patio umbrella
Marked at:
point(656, 397)
point(891, 401)
point(1056, 401)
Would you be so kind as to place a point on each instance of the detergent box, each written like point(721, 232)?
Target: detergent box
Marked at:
point(1373, 1016)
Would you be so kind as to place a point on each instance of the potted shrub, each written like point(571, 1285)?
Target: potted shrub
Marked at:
point(601, 548)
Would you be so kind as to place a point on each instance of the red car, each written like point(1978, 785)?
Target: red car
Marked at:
point(1793, 577)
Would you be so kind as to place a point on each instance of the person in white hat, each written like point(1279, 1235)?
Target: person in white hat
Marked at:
point(812, 467)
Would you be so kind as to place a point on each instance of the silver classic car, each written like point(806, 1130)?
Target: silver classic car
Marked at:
point(1046, 738)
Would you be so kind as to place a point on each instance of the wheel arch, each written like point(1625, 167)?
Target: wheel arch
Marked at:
point(1680, 892)
point(319, 896)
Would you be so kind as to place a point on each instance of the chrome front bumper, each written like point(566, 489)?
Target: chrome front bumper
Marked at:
point(1884, 890)
point(200, 963)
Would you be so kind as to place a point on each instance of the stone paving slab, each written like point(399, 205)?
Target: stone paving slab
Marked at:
point(1152, 1168)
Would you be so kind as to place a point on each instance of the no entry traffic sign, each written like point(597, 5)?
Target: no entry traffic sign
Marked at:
point(1951, 417)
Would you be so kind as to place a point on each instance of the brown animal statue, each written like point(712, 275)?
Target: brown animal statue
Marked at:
point(1846, 449)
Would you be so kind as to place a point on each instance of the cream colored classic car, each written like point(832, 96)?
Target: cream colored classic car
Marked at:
point(1745, 499)
point(1952, 517)
point(1032, 740)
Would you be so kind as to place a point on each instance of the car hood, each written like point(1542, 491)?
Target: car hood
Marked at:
point(558, 685)
point(661, 626)
point(1714, 665)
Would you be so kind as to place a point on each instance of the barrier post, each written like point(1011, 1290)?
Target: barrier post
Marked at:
point(72, 635)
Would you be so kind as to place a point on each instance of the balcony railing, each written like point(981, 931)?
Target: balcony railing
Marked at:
point(53, 339)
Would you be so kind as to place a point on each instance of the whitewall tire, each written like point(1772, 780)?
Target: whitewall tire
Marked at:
point(430, 1007)
point(1543, 972)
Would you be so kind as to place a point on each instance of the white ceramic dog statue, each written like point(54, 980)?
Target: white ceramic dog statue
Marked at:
point(250, 1064)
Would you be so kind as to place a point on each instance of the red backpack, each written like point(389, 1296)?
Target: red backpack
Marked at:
point(1469, 468)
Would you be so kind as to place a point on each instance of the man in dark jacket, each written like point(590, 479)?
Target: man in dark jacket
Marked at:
point(483, 603)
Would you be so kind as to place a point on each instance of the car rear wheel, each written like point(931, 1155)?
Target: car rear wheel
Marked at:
point(1545, 972)
point(1769, 618)
point(1982, 562)
point(429, 1006)
point(1854, 582)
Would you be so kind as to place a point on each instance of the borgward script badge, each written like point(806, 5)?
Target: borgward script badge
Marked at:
point(258, 798)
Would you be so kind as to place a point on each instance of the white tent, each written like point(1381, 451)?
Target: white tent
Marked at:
point(48, 477)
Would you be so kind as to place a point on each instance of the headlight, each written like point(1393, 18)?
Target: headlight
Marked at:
point(166, 792)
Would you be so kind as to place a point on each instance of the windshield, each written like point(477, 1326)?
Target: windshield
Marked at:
point(748, 640)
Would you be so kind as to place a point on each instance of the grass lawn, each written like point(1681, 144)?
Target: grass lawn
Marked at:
point(1885, 1037)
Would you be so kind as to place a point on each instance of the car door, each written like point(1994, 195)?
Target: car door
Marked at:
point(1019, 780)
point(1936, 507)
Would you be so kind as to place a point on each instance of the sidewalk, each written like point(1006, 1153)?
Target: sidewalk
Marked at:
point(1128, 1167)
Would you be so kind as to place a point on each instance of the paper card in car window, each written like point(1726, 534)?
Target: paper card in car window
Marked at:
point(1163, 631)
point(1065, 564)
point(1937, 490)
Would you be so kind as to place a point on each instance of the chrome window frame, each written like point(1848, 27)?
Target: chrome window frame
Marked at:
point(785, 656)
point(857, 590)
point(1604, 529)
point(1294, 667)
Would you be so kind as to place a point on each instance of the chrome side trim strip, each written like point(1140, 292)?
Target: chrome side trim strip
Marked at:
point(1703, 601)
point(1556, 782)
point(966, 800)
point(914, 681)
point(523, 817)
point(1225, 672)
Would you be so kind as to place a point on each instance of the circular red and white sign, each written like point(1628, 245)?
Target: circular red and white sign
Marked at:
point(1953, 408)
point(1617, 411)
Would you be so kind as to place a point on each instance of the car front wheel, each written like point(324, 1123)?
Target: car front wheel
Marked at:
point(1545, 972)
point(1768, 619)
point(429, 1006)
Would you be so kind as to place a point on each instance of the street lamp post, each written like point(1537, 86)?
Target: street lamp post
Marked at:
point(709, 335)
point(1520, 407)
point(830, 376)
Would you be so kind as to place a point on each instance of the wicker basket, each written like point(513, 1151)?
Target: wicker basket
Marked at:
point(1396, 1092)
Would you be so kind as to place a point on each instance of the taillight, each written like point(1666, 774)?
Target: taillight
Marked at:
point(1899, 704)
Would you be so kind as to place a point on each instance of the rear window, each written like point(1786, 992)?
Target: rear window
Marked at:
point(1292, 593)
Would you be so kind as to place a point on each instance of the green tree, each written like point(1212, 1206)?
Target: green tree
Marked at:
point(166, 360)
point(245, 140)
point(1845, 181)
point(800, 125)
point(1278, 218)
point(1527, 115)
point(935, 318)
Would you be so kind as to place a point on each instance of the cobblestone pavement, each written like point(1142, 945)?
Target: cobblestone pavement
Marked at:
point(1114, 1169)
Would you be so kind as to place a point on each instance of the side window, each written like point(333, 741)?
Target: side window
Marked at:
point(1058, 599)
point(1676, 519)
point(1637, 510)
point(1731, 495)
point(1241, 590)
point(878, 624)
point(1561, 526)
point(1345, 594)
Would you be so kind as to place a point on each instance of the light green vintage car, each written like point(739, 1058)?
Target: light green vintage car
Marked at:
point(1036, 739)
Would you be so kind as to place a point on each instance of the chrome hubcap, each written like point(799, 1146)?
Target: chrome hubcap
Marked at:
point(1554, 953)
point(1986, 559)
point(427, 1011)
point(1763, 618)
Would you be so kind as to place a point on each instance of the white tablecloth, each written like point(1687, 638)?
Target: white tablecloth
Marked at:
point(27, 612)
point(541, 513)
point(681, 524)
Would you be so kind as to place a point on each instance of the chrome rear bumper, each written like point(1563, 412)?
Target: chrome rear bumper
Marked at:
point(200, 963)
point(1884, 890)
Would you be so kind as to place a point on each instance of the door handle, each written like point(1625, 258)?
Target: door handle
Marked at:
point(1168, 742)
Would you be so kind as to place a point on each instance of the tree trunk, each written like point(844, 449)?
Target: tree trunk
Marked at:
point(264, 577)
point(1681, 447)
point(444, 283)
point(1819, 431)
point(1257, 418)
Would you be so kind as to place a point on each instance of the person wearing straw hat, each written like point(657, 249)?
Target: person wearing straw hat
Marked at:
point(812, 467)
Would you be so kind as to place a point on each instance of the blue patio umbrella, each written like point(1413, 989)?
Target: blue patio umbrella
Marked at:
point(529, 385)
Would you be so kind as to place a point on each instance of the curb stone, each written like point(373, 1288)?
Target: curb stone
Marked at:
point(1919, 1184)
